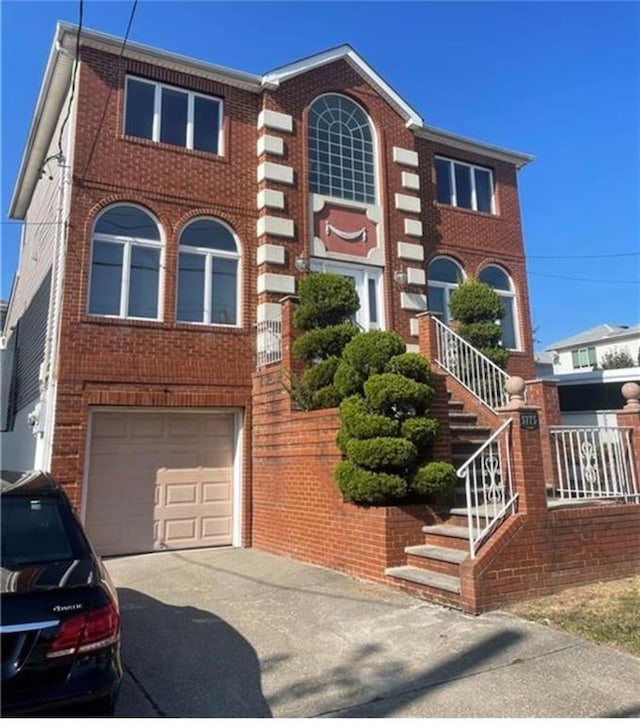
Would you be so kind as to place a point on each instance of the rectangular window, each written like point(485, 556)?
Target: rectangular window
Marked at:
point(464, 185)
point(223, 291)
point(191, 288)
point(143, 283)
point(106, 278)
point(172, 115)
point(584, 358)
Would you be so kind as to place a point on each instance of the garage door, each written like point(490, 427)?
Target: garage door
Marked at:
point(160, 480)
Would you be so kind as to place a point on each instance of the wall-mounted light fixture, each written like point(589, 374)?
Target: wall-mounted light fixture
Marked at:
point(302, 263)
point(400, 276)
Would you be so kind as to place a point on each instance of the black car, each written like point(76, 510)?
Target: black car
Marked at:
point(60, 621)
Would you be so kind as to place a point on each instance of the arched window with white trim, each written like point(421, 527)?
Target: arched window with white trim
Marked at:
point(444, 276)
point(341, 150)
point(500, 281)
point(208, 279)
point(125, 264)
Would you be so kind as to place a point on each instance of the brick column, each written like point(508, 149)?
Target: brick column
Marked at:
point(427, 336)
point(543, 394)
point(629, 416)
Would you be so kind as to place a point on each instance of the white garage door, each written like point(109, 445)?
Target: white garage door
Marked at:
point(160, 480)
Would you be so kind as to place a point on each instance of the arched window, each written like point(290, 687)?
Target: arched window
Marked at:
point(125, 264)
point(443, 277)
point(341, 150)
point(208, 274)
point(497, 278)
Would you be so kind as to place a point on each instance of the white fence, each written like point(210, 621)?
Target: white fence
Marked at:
point(594, 463)
point(471, 368)
point(268, 342)
point(489, 486)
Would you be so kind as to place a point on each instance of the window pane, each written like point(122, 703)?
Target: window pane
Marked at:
point(128, 221)
point(373, 302)
point(575, 358)
point(508, 324)
point(483, 190)
point(224, 291)
point(106, 277)
point(444, 270)
point(584, 358)
point(206, 124)
point(173, 123)
point(143, 282)
point(190, 288)
point(463, 185)
point(496, 278)
point(139, 113)
point(591, 353)
point(208, 234)
point(436, 299)
point(443, 181)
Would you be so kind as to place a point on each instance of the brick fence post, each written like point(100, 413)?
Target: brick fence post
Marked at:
point(544, 395)
point(427, 336)
point(629, 416)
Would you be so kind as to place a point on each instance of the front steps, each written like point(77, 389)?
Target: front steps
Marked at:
point(432, 568)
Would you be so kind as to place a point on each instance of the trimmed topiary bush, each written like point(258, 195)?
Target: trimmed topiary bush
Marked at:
point(322, 343)
point(380, 453)
point(325, 300)
point(475, 301)
point(347, 380)
point(362, 424)
point(435, 480)
point(365, 486)
point(421, 431)
point(411, 365)
point(397, 396)
point(369, 352)
point(481, 334)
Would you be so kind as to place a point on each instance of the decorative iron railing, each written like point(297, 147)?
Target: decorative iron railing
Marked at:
point(268, 342)
point(489, 486)
point(482, 377)
point(594, 463)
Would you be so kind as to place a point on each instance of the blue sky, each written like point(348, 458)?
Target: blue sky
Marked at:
point(559, 80)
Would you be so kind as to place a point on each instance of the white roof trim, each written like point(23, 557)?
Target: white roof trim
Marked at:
point(345, 52)
point(437, 135)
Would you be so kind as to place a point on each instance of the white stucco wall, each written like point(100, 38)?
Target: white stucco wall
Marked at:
point(18, 448)
point(564, 363)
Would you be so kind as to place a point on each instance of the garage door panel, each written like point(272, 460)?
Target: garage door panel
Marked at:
point(160, 480)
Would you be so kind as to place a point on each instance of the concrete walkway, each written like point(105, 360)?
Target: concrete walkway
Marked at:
point(240, 633)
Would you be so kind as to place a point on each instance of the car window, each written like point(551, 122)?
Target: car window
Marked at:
point(36, 530)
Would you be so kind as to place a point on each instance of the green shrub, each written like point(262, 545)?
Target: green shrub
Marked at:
point(364, 486)
point(324, 342)
point(325, 299)
point(421, 431)
point(362, 424)
point(397, 396)
point(306, 391)
point(369, 352)
point(475, 301)
point(498, 355)
point(435, 481)
point(380, 453)
point(410, 365)
point(481, 334)
point(347, 380)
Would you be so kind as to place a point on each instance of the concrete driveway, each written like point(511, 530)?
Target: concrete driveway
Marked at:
point(240, 633)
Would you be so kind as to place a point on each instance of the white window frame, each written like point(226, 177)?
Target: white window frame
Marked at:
point(362, 275)
point(209, 255)
point(448, 287)
point(128, 242)
point(157, 114)
point(511, 294)
point(452, 183)
point(578, 353)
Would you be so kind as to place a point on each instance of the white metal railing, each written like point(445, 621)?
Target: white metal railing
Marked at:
point(482, 377)
point(489, 486)
point(268, 342)
point(594, 463)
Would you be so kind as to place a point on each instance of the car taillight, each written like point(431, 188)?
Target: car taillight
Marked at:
point(85, 632)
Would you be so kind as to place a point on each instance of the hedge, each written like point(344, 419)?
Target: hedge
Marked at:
point(435, 480)
point(364, 486)
point(362, 424)
point(324, 342)
point(397, 396)
point(411, 365)
point(380, 453)
point(325, 299)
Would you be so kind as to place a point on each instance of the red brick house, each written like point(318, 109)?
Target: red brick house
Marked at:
point(169, 207)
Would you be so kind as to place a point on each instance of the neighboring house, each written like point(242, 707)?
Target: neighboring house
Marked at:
point(179, 204)
point(586, 350)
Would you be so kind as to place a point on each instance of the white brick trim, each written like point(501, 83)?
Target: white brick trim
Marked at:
point(416, 276)
point(274, 119)
point(270, 199)
point(275, 226)
point(269, 310)
point(410, 180)
point(412, 227)
point(270, 254)
point(411, 252)
point(405, 156)
point(414, 327)
point(270, 144)
point(278, 172)
point(277, 283)
point(408, 203)
point(413, 348)
point(413, 302)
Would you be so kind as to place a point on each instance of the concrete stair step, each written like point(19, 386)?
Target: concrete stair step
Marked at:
point(437, 553)
point(440, 581)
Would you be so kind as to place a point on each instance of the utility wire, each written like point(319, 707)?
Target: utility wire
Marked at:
point(584, 279)
point(583, 256)
point(73, 79)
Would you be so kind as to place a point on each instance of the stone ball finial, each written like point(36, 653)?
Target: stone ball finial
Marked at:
point(631, 393)
point(514, 387)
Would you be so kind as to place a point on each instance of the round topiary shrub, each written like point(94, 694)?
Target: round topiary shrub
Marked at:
point(364, 486)
point(410, 365)
point(421, 431)
point(481, 334)
point(435, 481)
point(325, 397)
point(397, 396)
point(362, 424)
point(369, 352)
point(380, 453)
point(498, 355)
point(325, 299)
point(474, 301)
point(325, 342)
point(347, 380)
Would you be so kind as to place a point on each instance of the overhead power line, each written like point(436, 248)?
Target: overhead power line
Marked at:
point(73, 79)
point(585, 279)
point(583, 256)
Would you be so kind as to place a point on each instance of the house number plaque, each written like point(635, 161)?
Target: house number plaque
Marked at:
point(529, 421)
